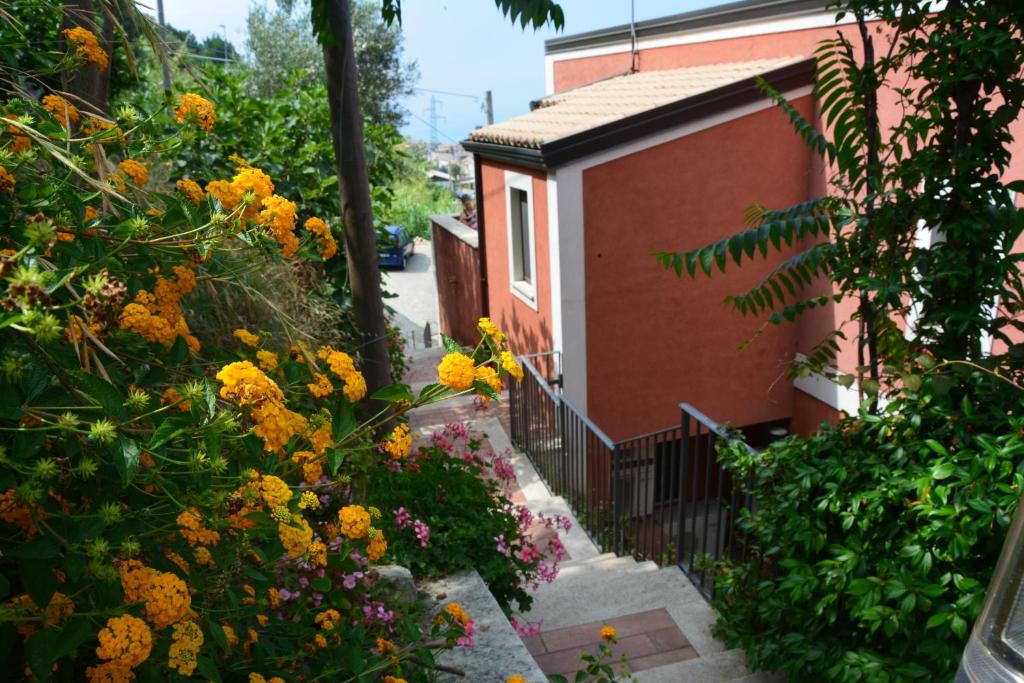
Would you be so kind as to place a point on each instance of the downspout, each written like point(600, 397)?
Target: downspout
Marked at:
point(485, 305)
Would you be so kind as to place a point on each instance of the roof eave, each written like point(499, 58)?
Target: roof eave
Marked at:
point(526, 157)
point(731, 13)
point(573, 147)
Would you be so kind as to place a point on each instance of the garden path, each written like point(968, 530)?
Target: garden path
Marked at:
point(663, 622)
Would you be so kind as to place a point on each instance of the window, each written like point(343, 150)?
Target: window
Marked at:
point(522, 261)
point(521, 236)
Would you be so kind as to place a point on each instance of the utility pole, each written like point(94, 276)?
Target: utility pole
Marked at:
point(488, 107)
point(435, 119)
point(224, 37)
point(163, 38)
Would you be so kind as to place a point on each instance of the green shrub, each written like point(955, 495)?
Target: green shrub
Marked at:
point(877, 537)
point(449, 486)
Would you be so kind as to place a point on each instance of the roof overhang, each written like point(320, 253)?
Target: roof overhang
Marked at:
point(720, 15)
point(600, 138)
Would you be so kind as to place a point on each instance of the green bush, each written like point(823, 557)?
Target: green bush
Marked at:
point(454, 487)
point(877, 537)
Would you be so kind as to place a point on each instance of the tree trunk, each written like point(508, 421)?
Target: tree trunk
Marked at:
point(354, 185)
point(89, 87)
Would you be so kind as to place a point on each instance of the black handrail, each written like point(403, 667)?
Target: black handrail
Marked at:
point(661, 496)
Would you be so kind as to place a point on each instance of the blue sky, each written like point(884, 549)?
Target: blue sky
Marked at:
point(461, 46)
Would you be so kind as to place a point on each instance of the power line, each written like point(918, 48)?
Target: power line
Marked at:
point(445, 92)
point(436, 130)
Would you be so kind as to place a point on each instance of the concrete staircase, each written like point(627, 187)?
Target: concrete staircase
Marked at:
point(663, 622)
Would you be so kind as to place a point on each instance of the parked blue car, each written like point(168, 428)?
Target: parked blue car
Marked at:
point(396, 248)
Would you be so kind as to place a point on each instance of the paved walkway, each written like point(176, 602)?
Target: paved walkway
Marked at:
point(663, 622)
point(415, 290)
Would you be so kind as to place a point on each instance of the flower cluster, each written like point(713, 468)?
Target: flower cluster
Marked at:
point(192, 529)
point(326, 246)
point(247, 337)
point(279, 215)
point(136, 171)
point(125, 643)
point(250, 185)
point(186, 642)
point(157, 316)
point(321, 386)
point(190, 190)
point(344, 368)
point(196, 109)
point(248, 386)
point(62, 110)
point(398, 443)
point(460, 372)
point(87, 46)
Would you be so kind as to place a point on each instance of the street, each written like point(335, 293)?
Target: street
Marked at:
point(415, 300)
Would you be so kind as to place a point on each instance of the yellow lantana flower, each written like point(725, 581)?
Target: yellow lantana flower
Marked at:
point(456, 371)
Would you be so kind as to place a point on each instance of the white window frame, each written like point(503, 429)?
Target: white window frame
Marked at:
point(523, 290)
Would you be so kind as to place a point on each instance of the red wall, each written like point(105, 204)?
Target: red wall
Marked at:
point(570, 73)
point(809, 413)
point(529, 331)
point(457, 273)
point(654, 340)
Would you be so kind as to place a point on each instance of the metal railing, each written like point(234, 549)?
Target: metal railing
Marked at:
point(662, 496)
point(711, 502)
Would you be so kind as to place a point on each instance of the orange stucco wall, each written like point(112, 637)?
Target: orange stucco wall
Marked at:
point(457, 276)
point(529, 330)
point(654, 340)
point(814, 326)
point(809, 413)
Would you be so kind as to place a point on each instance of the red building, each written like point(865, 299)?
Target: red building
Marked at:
point(657, 139)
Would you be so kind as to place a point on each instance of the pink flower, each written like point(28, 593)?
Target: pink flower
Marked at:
point(422, 532)
point(402, 518)
point(526, 628)
point(502, 548)
point(503, 470)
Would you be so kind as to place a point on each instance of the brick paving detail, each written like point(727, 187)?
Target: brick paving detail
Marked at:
point(647, 639)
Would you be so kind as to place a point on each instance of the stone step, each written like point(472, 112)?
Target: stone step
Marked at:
point(586, 597)
point(604, 565)
point(589, 560)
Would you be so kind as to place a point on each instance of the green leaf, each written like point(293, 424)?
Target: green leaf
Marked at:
point(335, 459)
point(179, 352)
point(164, 433)
point(450, 345)
point(321, 584)
point(942, 384)
point(217, 631)
point(958, 626)
point(38, 579)
point(430, 390)
point(943, 471)
point(126, 458)
point(39, 548)
point(343, 421)
point(102, 392)
point(210, 398)
point(42, 650)
point(208, 668)
point(394, 393)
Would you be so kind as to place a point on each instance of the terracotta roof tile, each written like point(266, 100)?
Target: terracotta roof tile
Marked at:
point(574, 111)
